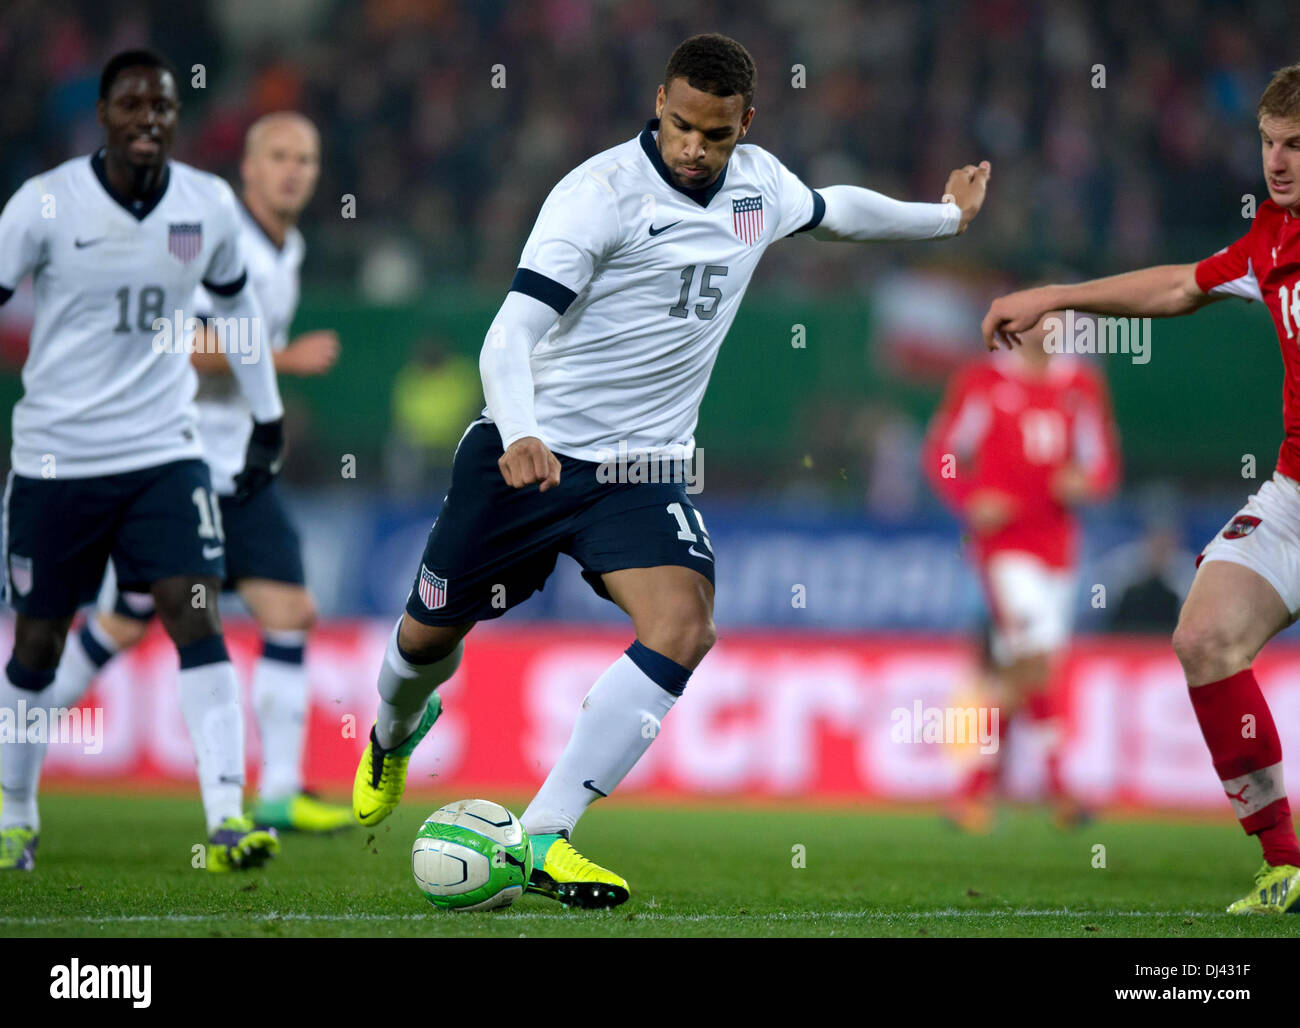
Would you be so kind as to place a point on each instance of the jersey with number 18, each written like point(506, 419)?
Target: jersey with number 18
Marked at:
point(107, 385)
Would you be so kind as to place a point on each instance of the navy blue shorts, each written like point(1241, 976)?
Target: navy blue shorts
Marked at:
point(492, 546)
point(261, 542)
point(154, 523)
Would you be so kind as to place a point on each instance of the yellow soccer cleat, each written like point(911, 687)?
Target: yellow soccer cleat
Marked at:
point(18, 849)
point(562, 873)
point(238, 845)
point(381, 775)
point(301, 812)
point(1276, 891)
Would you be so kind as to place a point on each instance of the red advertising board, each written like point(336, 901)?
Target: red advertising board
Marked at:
point(766, 715)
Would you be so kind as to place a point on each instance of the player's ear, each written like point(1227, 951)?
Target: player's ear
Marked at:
point(745, 119)
point(101, 113)
point(660, 97)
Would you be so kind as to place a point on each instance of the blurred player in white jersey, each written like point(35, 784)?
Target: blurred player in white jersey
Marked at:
point(593, 371)
point(107, 461)
point(263, 555)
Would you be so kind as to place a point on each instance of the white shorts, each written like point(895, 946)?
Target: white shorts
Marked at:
point(1032, 604)
point(1265, 537)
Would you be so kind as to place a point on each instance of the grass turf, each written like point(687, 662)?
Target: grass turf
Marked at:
point(121, 866)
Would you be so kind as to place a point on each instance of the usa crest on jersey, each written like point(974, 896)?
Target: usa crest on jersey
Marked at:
point(185, 240)
point(747, 218)
point(433, 590)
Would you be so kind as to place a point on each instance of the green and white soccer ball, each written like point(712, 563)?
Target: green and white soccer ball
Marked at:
point(472, 855)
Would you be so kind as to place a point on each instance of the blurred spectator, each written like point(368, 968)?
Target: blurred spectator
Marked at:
point(435, 396)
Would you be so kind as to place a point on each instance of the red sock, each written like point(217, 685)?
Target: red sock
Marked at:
point(1247, 754)
point(982, 779)
point(1044, 710)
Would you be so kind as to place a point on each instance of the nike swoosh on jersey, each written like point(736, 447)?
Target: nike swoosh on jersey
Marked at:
point(81, 244)
point(696, 553)
point(655, 231)
point(211, 552)
point(589, 784)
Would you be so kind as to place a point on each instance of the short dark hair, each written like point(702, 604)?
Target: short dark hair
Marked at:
point(118, 63)
point(1282, 97)
point(715, 64)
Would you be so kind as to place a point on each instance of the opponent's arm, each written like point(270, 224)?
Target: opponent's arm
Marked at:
point(863, 215)
point(508, 388)
point(1165, 291)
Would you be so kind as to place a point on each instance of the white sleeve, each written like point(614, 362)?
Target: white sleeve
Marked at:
point(799, 208)
point(225, 272)
point(22, 236)
point(503, 364)
point(862, 215)
point(576, 227)
point(252, 362)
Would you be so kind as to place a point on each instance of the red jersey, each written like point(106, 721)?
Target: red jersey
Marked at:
point(1002, 428)
point(1264, 264)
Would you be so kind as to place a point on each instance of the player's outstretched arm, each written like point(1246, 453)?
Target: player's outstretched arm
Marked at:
point(860, 215)
point(1165, 291)
point(508, 389)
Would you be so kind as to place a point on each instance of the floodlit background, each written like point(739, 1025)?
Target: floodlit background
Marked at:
point(1120, 135)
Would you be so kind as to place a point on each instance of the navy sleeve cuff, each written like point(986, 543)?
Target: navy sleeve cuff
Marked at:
point(228, 288)
point(5, 294)
point(819, 212)
point(539, 287)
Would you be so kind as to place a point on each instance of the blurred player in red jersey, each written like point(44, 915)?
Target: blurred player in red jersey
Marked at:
point(1019, 441)
point(1247, 588)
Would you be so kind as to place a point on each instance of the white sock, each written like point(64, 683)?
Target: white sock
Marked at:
point(20, 761)
point(210, 703)
point(405, 688)
point(280, 700)
point(617, 722)
point(20, 764)
point(77, 667)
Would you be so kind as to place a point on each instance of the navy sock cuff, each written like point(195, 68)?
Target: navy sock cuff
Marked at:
point(211, 650)
point(284, 654)
point(25, 678)
point(663, 671)
point(97, 654)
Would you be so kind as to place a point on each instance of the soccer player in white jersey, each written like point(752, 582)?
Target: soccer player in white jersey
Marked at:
point(106, 457)
point(593, 371)
point(280, 168)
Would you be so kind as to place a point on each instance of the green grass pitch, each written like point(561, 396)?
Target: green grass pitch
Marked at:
point(121, 866)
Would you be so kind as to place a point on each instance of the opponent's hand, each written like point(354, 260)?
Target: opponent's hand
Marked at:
point(966, 188)
point(263, 460)
point(312, 353)
point(526, 461)
point(988, 510)
point(1012, 314)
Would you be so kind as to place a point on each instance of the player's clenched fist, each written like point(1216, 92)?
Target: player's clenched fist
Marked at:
point(1014, 313)
point(966, 188)
point(526, 461)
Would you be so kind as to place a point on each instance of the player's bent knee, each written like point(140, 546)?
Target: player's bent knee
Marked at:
point(425, 644)
point(1207, 650)
point(125, 632)
point(38, 644)
point(684, 638)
